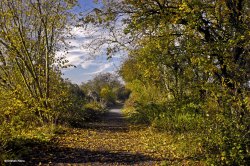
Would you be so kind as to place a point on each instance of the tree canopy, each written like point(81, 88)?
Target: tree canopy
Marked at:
point(189, 56)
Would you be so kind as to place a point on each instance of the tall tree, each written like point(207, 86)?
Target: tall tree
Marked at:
point(195, 50)
point(30, 31)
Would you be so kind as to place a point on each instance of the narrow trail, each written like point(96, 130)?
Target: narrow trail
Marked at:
point(113, 120)
point(110, 141)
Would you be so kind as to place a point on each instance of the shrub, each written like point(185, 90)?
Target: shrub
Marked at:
point(135, 117)
point(93, 110)
point(179, 122)
point(226, 142)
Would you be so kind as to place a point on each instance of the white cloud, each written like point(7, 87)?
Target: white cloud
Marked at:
point(87, 64)
point(80, 53)
point(102, 68)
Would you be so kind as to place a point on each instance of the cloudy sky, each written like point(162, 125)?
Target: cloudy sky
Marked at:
point(87, 65)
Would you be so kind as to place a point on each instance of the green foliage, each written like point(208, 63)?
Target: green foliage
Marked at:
point(178, 122)
point(107, 95)
point(70, 109)
point(104, 88)
point(89, 112)
point(28, 64)
point(33, 94)
point(93, 110)
point(192, 57)
point(227, 140)
point(27, 50)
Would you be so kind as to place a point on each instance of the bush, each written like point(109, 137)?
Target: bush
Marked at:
point(73, 118)
point(169, 117)
point(135, 117)
point(179, 122)
point(227, 142)
point(143, 113)
point(78, 117)
point(93, 111)
point(227, 136)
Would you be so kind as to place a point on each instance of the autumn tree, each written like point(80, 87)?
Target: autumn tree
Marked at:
point(30, 33)
point(103, 87)
point(197, 54)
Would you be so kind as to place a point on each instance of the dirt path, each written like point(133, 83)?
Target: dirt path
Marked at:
point(109, 141)
point(112, 120)
point(112, 141)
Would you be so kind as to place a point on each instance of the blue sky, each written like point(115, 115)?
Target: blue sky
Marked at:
point(87, 64)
